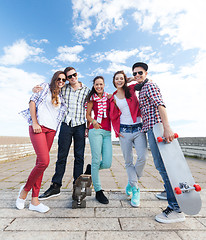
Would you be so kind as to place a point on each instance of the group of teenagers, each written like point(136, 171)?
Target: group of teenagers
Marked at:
point(63, 104)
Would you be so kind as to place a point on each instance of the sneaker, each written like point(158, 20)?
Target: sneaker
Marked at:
point(53, 191)
point(101, 197)
point(162, 195)
point(19, 201)
point(135, 201)
point(88, 169)
point(39, 208)
point(170, 216)
point(128, 189)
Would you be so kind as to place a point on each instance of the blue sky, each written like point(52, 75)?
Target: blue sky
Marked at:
point(100, 37)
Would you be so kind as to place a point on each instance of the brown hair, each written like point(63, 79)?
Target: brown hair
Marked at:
point(125, 87)
point(67, 69)
point(54, 90)
point(93, 90)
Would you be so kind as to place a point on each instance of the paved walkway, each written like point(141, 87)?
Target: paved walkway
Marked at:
point(117, 220)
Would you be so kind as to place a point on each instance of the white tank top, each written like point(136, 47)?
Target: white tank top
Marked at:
point(125, 117)
point(47, 113)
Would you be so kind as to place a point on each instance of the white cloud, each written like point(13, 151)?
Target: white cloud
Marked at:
point(40, 41)
point(15, 91)
point(184, 95)
point(116, 56)
point(18, 53)
point(98, 16)
point(176, 21)
point(70, 54)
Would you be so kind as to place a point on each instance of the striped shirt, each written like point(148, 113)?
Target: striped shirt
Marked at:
point(39, 98)
point(149, 100)
point(75, 101)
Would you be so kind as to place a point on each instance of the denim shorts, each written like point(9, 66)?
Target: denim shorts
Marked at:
point(130, 128)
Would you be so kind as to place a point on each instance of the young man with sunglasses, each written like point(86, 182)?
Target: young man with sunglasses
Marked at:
point(73, 127)
point(153, 111)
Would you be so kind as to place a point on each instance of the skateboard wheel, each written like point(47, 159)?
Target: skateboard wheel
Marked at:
point(88, 191)
point(197, 187)
point(160, 139)
point(178, 190)
point(176, 135)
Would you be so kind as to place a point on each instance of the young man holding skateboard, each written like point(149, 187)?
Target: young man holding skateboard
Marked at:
point(153, 111)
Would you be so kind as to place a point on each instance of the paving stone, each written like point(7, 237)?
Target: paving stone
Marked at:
point(116, 220)
point(42, 235)
point(149, 224)
point(64, 224)
point(132, 235)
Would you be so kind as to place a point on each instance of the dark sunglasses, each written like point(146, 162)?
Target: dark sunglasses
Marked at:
point(73, 75)
point(140, 73)
point(63, 79)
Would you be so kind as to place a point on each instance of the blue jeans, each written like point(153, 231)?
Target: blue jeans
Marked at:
point(132, 136)
point(101, 149)
point(64, 142)
point(161, 168)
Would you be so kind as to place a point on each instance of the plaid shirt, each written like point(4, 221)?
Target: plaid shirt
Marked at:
point(39, 98)
point(149, 100)
point(75, 102)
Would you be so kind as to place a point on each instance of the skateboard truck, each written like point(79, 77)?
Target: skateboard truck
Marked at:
point(184, 187)
point(81, 190)
point(162, 139)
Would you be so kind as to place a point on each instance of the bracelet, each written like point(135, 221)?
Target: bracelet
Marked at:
point(93, 121)
point(87, 128)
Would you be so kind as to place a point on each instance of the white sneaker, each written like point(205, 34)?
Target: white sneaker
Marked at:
point(170, 216)
point(39, 208)
point(20, 202)
point(162, 195)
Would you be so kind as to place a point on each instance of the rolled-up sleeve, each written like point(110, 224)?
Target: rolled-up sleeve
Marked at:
point(155, 95)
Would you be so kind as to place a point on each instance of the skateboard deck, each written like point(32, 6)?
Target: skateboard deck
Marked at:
point(178, 171)
point(82, 189)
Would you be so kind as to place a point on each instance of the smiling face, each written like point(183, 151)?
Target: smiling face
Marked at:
point(60, 81)
point(72, 77)
point(139, 74)
point(99, 86)
point(119, 80)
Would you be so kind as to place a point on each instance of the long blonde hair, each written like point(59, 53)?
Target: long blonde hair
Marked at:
point(54, 89)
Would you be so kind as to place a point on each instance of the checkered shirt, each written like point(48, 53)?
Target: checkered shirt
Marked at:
point(149, 100)
point(39, 98)
point(75, 101)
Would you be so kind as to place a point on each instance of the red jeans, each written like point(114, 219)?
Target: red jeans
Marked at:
point(42, 143)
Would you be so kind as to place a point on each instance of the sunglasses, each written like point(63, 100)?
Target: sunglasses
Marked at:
point(63, 79)
point(73, 75)
point(140, 73)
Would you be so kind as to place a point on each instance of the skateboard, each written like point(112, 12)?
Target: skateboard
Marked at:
point(183, 184)
point(82, 189)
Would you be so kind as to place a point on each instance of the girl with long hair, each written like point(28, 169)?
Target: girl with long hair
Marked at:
point(127, 123)
point(45, 112)
point(99, 134)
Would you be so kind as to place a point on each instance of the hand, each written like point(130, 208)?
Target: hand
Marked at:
point(168, 135)
point(120, 135)
point(96, 125)
point(109, 96)
point(130, 79)
point(36, 128)
point(86, 134)
point(37, 89)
